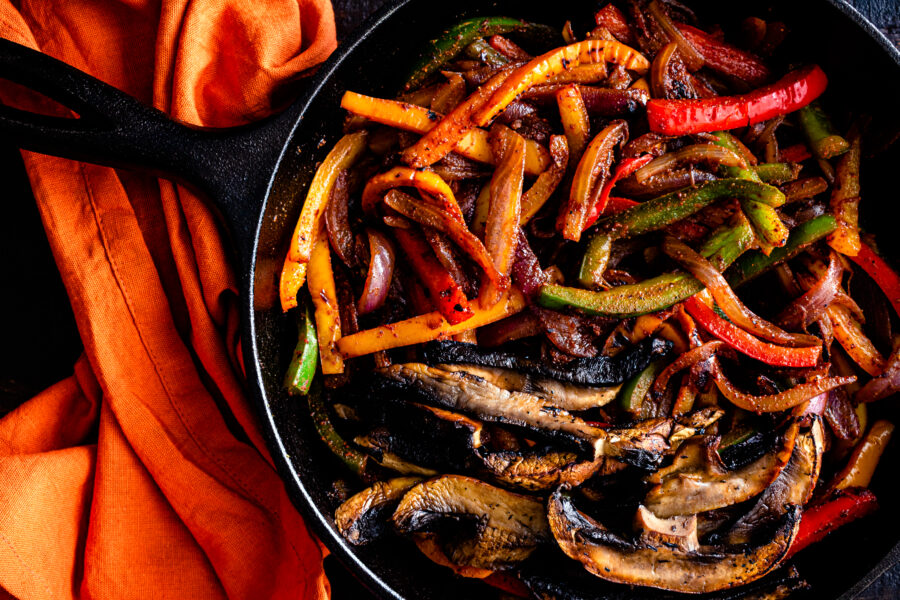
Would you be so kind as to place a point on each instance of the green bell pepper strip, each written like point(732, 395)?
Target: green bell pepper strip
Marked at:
point(302, 369)
point(632, 394)
point(824, 141)
point(777, 173)
point(663, 211)
point(753, 264)
point(452, 41)
point(770, 231)
point(729, 142)
point(481, 50)
point(595, 259)
point(355, 460)
point(728, 242)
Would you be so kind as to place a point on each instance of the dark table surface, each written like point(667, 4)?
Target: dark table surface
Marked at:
point(41, 342)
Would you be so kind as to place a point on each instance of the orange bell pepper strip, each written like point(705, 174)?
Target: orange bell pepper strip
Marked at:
point(320, 280)
point(545, 67)
point(441, 139)
point(417, 119)
point(745, 343)
point(427, 327)
point(342, 156)
point(883, 275)
point(849, 334)
point(425, 181)
point(624, 169)
point(547, 182)
point(444, 292)
point(575, 122)
point(845, 201)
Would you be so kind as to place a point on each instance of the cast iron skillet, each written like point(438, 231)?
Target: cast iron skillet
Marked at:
point(255, 176)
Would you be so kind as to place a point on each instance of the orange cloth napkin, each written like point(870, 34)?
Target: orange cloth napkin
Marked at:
point(174, 500)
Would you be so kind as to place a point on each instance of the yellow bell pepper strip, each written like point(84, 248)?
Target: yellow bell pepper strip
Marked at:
point(820, 133)
point(417, 119)
point(822, 518)
point(745, 343)
point(547, 182)
point(445, 293)
point(861, 465)
point(545, 67)
point(443, 137)
point(883, 275)
point(574, 117)
point(660, 212)
point(845, 201)
point(640, 84)
point(502, 226)
point(426, 181)
point(342, 156)
point(683, 117)
point(355, 460)
point(583, 74)
point(753, 264)
point(320, 280)
point(303, 365)
point(849, 334)
point(427, 327)
point(450, 94)
point(455, 39)
point(592, 170)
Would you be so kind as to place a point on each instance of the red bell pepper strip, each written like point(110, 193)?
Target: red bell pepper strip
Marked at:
point(617, 204)
point(625, 168)
point(743, 342)
point(725, 58)
point(796, 153)
point(446, 294)
point(508, 583)
point(682, 117)
point(886, 278)
point(841, 508)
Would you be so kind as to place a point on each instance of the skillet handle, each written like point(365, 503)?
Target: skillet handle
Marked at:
point(233, 166)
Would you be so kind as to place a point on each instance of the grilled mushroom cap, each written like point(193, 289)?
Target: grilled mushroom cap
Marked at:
point(507, 527)
point(697, 481)
point(540, 470)
point(365, 516)
point(794, 485)
point(640, 562)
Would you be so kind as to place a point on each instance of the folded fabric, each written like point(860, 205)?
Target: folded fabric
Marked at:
point(144, 475)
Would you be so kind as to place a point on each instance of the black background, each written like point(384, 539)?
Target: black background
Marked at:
point(40, 341)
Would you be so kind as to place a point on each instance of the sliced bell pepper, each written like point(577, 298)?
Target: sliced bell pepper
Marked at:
point(342, 156)
point(547, 182)
point(596, 256)
point(481, 50)
point(320, 280)
point(796, 153)
point(849, 334)
point(544, 67)
point(823, 139)
point(445, 293)
point(418, 119)
point(425, 328)
point(753, 264)
point(729, 242)
point(355, 460)
point(632, 394)
point(841, 508)
point(862, 463)
point(303, 365)
point(665, 210)
point(745, 343)
point(452, 41)
point(683, 117)
point(770, 231)
point(650, 295)
point(426, 181)
point(883, 275)
point(625, 168)
point(845, 201)
point(574, 117)
point(777, 173)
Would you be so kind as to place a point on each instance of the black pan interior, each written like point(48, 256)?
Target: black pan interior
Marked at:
point(864, 75)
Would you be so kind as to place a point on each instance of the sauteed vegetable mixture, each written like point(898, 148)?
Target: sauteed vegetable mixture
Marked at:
point(600, 294)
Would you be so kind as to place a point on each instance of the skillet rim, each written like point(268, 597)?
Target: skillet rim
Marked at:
point(316, 519)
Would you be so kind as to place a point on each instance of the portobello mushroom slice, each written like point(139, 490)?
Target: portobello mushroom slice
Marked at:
point(474, 395)
point(366, 515)
point(794, 485)
point(504, 528)
point(596, 371)
point(640, 561)
point(566, 396)
point(535, 471)
point(697, 481)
